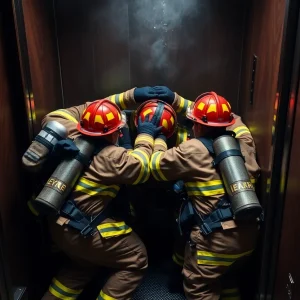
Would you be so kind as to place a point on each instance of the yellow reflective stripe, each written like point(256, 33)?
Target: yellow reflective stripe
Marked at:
point(32, 209)
point(155, 166)
point(108, 225)
point(215, 259)
point(64, 113)
point(94, 184)
point(230, 294)
point(121, 99)
point(113, 229)
point(105, 296)
point(182, 136)
point(113, 98)
point(145, 168)
point(241, 130)
point(179, 256)
point(160, 142)
point(152, 167)
point(144, 138)
point(93, 193)
point(229, 291)
point(176, 260)
point(60, 296)
point(92, 188)
point(189, 103)
point(64, 288)
point(181, 105)
point(208, 188)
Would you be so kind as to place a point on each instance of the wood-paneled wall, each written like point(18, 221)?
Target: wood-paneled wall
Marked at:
point(46, 91)
point(288, 263)
point(14, 135)
point(263, 38)
point(109, 46)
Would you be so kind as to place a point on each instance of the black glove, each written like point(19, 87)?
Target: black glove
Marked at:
point(65, 148)
point(148, 127)
point(164, 94)
point(125, 139)
point(144, 93)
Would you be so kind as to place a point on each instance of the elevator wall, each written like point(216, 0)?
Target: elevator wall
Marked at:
point(38, 35)
point(288, 264)
point(14, 216)
point(110, 46)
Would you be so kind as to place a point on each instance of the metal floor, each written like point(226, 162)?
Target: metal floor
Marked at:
point(155, 285)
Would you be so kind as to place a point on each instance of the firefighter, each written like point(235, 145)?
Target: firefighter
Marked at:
point(215, 248)
point(112, 243)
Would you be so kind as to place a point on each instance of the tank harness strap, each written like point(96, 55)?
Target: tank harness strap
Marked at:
point(213, 221)
point(44, 141)
point(78, 220)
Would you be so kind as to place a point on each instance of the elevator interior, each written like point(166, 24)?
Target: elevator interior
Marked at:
point(72, 51)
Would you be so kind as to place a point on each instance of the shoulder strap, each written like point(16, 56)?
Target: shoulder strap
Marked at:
point(208, 143)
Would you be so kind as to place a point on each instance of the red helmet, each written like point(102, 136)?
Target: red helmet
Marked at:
point(211, 109)
point(101, 117)
point(168, 119)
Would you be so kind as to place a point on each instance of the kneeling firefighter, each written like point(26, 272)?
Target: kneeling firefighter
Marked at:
point(86, 228)
point(218, 168)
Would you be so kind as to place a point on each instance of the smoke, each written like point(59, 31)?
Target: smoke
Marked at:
point(154, 29)
point(162, 31)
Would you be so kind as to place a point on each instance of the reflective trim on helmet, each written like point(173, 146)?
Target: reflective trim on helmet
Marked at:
point(145, 169)
point(155, 166)
point(64, 113)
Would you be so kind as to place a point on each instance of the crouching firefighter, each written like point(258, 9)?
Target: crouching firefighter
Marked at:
point(218, 168)
point(86, 228)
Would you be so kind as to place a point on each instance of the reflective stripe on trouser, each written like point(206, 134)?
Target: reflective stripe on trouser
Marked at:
point(125, 254)
point(69, 282)
point(230, 294)
point(206, 263)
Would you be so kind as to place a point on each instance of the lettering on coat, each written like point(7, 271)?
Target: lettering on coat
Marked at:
point(240, 186)
point(56, 184)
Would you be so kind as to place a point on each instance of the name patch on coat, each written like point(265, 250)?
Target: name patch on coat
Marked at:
point(56, 184)
point(240, 186)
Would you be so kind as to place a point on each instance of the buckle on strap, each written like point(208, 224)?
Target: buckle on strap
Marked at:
point(213, 221)
point(205, 229)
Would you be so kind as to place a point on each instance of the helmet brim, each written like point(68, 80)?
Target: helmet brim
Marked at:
point(210, 124)
point(89, 133)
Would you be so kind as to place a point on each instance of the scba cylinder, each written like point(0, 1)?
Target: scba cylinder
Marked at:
point(38, 152)
point(63, 179)
point(244, 202)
